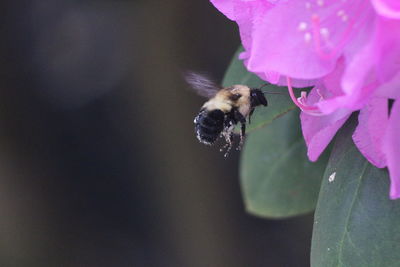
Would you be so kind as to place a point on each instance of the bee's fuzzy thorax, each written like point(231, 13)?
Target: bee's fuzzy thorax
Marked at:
point(218, 102)
point(225, 101)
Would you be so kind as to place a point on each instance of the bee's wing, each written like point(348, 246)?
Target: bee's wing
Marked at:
point(203, 85)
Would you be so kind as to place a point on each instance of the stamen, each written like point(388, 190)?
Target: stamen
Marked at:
point(301, 101)
point(346, 19)
point(321, 97)
point(317, 40)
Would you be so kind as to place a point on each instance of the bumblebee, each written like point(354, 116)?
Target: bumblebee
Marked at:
point(225, 108)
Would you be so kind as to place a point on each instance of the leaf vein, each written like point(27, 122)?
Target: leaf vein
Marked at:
point(346, 230)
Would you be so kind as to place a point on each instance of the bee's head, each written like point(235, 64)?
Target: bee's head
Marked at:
point(257, 97)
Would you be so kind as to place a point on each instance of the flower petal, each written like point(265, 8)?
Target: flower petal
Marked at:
point(387, 8)
point(388, 49)
point(225, 7)
point(289, 41)
point(372, 123)
point(354, 92)
point(318, 131)
point(391, 147)
point(390, 89)
point(248, 15)
point(369, 68)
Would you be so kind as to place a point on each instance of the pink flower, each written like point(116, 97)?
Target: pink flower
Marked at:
point(349, 50)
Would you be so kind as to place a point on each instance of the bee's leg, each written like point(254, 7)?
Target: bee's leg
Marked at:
point(229, 142)
point(242, 135)
point(239, 117)
point(251, 113)
point(228, 135)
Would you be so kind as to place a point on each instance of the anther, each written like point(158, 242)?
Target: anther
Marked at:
point(302, 105)
point(302, 26)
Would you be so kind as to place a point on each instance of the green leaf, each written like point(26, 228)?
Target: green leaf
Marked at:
point(277, 179)
point(355, 224)
point(277, 104)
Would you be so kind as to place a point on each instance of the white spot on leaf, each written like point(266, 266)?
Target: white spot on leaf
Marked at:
point(332, 177)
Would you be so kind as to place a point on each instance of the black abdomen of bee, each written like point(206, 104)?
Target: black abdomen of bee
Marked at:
point(209, 125)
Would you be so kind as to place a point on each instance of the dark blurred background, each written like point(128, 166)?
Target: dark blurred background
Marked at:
point(99, 165)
